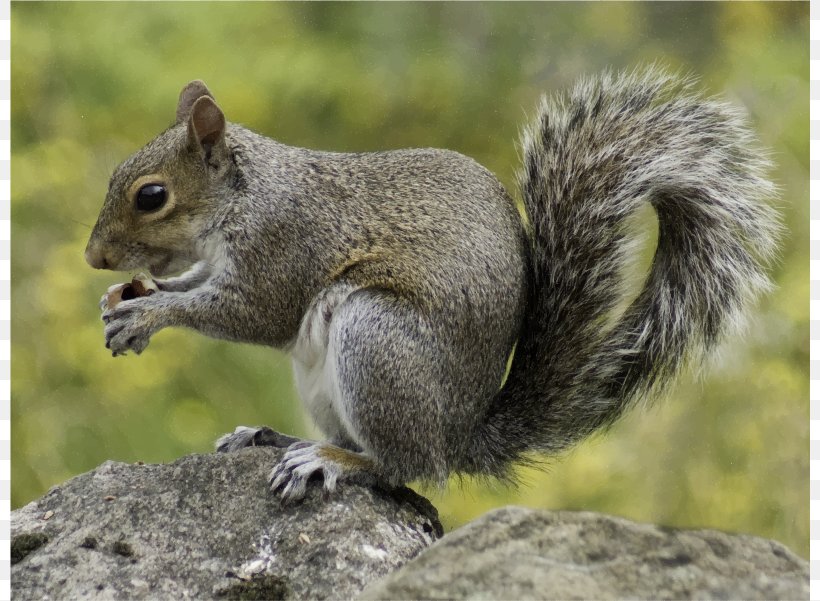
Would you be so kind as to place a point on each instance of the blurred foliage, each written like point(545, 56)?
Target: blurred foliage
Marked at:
point(94, 81)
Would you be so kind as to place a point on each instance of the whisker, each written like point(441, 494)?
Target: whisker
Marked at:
point(80, 222)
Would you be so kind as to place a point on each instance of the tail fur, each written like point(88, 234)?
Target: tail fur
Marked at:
point(590, 159)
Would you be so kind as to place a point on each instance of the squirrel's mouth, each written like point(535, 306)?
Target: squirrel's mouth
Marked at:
point(160, 267)
point(168, 264)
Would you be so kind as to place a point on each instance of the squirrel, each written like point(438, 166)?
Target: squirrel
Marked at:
point(402, 282)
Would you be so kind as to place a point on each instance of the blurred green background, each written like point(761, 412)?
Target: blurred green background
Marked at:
point(93, 82)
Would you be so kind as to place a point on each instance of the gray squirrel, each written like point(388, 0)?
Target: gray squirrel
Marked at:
point(402, 281)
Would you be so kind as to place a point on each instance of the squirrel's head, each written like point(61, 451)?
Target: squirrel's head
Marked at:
point(160, 199)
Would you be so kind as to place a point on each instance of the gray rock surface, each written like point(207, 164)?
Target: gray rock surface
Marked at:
point(207, 527)
point(517, 553)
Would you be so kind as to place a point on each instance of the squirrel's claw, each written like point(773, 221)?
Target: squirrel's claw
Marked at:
point(127, 328)
point(243, 437)
point(301, 462)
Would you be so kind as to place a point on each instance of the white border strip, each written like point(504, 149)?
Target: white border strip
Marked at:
point(5, 298)
point(814, 270)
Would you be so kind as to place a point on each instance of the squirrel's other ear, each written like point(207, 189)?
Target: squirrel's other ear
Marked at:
point(188, 96)
point(206, 127)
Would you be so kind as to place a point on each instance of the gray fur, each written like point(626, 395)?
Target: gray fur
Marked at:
point(590, 159)
point(437, 278)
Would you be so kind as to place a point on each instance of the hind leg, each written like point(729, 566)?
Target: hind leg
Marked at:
point(393, 393)
point(244, 437)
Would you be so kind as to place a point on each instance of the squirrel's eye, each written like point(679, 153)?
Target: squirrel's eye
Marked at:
point(151, 197)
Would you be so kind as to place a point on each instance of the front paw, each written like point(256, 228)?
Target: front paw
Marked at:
point(141, 285)
point(129, 326)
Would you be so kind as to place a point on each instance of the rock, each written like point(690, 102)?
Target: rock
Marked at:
point(517, 553)
point(207, 527)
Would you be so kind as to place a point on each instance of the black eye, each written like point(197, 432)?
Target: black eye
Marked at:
point(151, 197)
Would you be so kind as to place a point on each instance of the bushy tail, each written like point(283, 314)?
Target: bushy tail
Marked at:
point(590, 160)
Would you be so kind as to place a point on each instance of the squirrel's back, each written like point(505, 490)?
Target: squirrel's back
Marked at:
point(429, 216)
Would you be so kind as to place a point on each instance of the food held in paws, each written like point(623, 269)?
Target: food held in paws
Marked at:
point(141, 285)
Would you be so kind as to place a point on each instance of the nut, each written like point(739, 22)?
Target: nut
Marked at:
point(140, 285)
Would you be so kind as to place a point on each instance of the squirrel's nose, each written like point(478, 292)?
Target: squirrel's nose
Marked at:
point(96, 258)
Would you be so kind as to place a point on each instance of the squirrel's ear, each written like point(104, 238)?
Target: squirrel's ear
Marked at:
point(188, 96)
point(206, 126)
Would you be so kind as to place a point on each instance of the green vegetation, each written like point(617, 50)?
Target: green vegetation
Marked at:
point(94, 81)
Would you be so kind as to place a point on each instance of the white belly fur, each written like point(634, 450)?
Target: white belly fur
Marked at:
point(314, 367)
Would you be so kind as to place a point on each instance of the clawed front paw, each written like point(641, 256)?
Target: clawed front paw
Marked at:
point(128, 326)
